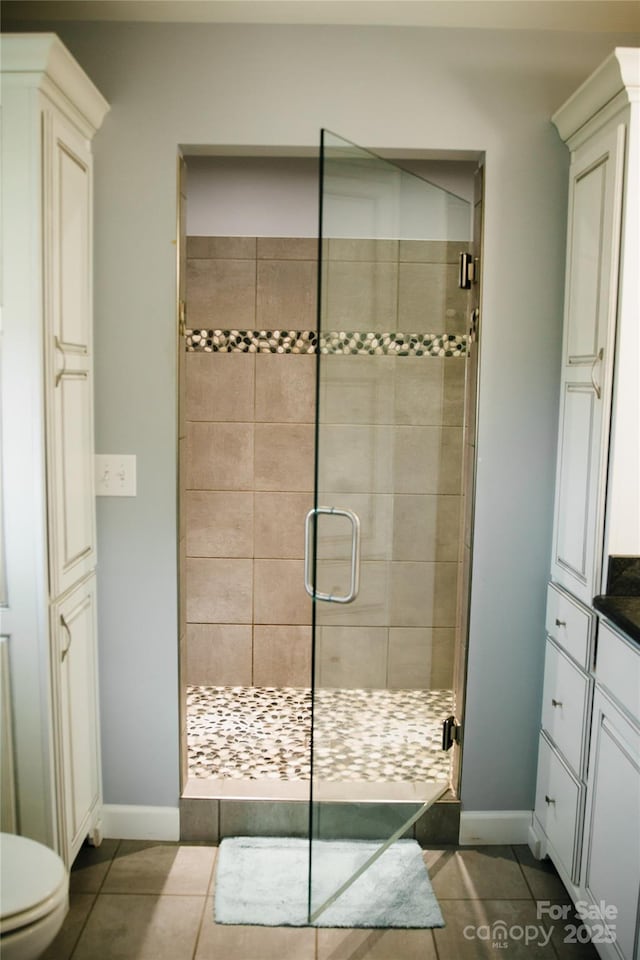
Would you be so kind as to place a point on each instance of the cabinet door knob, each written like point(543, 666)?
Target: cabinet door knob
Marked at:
point(556, 703)
point(548, 799)
point(561, 623)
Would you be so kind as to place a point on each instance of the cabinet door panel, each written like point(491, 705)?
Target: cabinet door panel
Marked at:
point(569, 624)
point(577, 474)
point(564, 706)
point(593, 242)
point(612, 857)
point(585, 258)
point(595, 202)
point(75, 480)
point(75, 655)
point(72, 182)
point(618, 669)
point(559, 803)
point(69, 368)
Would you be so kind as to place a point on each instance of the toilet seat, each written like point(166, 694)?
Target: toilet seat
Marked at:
point(34, 882)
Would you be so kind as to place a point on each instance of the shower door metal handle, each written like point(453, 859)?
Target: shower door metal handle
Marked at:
point(355, 555)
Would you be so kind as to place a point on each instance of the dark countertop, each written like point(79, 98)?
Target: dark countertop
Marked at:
point(623, 612)
point(621, 603)
point(623, 577)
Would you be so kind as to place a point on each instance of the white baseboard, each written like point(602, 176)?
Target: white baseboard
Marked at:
point(124, 822)
point(495, 826)
point(535, 843)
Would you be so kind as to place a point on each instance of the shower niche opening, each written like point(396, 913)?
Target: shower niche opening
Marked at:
point(337, 372)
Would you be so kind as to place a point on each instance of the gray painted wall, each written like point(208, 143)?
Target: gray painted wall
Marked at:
point(382, 87)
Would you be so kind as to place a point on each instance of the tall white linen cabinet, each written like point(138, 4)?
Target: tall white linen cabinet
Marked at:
point(587, 805)
point(51, 111)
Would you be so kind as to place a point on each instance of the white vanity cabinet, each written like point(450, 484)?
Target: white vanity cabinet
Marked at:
point(611, 856)
point(587, 807)
point(51, 111)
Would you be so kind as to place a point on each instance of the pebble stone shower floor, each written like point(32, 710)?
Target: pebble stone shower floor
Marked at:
point(256, 733)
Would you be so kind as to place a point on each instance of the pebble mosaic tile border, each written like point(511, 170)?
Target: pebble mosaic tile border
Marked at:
point(256, 733)
point(306, 341)
point(251, 341)
point(395, 344)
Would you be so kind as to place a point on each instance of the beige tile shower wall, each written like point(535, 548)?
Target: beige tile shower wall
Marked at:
point(386, 285)
point(391, 426)
point(428, 291)
point(391, 449)
point(248, 466)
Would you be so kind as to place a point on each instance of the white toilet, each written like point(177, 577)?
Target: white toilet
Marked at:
point(34, 897)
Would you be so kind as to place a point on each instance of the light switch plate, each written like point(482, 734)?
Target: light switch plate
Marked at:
point(115, 475)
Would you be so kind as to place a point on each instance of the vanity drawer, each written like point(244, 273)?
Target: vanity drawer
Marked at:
point(569, 624)
point(559, 802)
point(618, 669)
point(565, 701)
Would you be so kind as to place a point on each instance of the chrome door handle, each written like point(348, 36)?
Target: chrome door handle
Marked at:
point(355, 555)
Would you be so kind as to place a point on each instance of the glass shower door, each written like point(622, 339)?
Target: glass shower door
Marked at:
point(382, 541)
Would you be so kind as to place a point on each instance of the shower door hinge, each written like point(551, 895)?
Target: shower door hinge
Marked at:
point(182, 318)
point(467, 274)
point(451, 733)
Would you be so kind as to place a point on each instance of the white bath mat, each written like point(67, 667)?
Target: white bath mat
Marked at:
point(263, 881)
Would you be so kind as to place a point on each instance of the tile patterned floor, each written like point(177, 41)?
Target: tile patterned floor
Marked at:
point(145, 900)
point(254, 733)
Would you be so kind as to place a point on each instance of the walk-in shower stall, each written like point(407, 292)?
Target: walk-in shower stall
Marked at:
point(326, 475)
